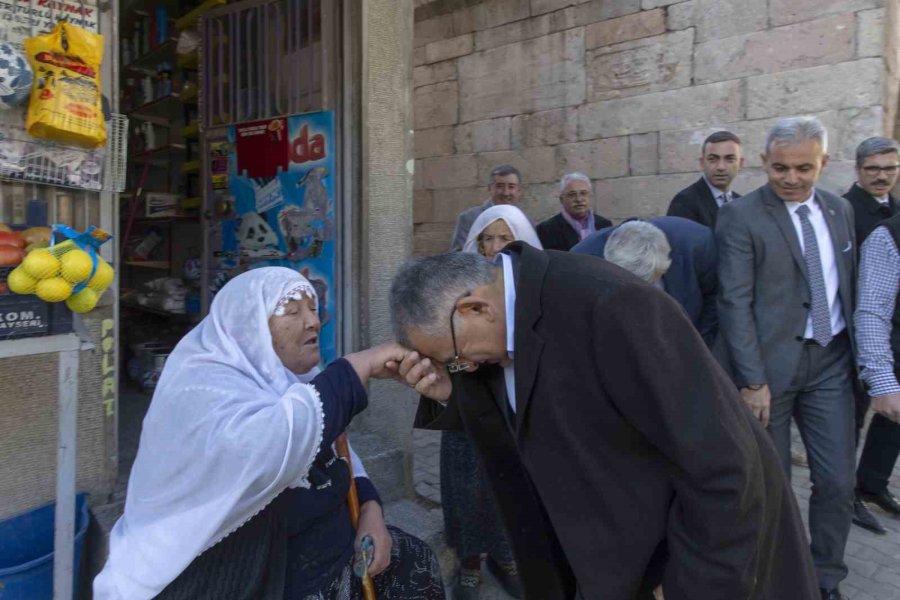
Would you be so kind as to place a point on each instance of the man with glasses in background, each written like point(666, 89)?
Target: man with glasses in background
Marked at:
point(576, 219)
point(877, 169)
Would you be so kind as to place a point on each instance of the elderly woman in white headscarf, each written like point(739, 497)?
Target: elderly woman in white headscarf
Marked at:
point(471, 521)
point(497, 227)
point(236, 492)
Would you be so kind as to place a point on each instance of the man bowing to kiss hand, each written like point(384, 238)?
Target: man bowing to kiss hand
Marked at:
point(619, 452)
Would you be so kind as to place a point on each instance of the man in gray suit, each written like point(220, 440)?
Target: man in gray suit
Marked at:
point(505, 188)
point(786, 292)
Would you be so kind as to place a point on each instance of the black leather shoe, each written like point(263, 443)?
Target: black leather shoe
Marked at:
point(834, 594)
point(507, 575)
point(886, 500)
point(865, 519)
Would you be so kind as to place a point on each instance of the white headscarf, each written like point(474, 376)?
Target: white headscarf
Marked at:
point(514, 218)
point(229, 428)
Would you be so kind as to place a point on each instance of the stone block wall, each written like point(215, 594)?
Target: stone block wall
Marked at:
point(626, 90)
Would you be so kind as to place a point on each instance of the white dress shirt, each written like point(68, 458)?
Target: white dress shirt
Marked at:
point(826, 255)
point(509, 293)
point(884, 200)
point(721, 197)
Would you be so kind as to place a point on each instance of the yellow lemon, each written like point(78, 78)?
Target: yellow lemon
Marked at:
point(53, 289)
point(21, 282)
point(83, 301)
point(41, 264)
point(103, 276)
point(76, 265)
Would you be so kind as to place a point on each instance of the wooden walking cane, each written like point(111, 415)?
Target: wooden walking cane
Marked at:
point(343, 451)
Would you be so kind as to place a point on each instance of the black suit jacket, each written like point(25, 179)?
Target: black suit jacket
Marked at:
point(628, 443)
point(556, 234)
point(696, 203)
point(868, 213)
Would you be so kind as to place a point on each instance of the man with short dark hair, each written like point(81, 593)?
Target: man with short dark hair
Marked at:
point(576, 218)
point(721, 159)
point(877, 170)
point(505, 187)
point(787, 271)
point(618, 451)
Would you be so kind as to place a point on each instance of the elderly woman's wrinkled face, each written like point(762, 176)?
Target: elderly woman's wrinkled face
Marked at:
point(494, 238)
point(295, 335)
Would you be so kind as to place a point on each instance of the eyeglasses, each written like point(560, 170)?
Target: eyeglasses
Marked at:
point(873, 170)
point(577, 194)
point(457, 364)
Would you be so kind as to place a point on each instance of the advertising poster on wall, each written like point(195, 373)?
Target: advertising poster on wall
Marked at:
point(281, 178)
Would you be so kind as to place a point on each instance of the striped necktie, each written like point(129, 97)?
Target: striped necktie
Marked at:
point(821, 315)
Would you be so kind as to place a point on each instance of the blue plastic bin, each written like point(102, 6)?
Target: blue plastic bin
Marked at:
point(26, 552)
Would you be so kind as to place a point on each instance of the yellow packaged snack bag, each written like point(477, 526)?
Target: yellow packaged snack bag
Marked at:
point(66, 103)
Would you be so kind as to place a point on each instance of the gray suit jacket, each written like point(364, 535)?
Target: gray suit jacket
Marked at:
point(464, 223)
point(763, 291)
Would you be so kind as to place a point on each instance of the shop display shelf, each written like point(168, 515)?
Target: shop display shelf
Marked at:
point(189, 61)
point(149, 61)
point(159, 311)
point(192, 131)
point(150, 264)
point(164, 220)
point(161, 108)
point(163, 154)
point(25, 158)
point(190, 20)
point(190, 95)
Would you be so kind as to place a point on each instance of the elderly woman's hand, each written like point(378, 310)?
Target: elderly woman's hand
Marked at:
point(371, 523)
point(384, 356)
point(427, 377)
point(374, 361)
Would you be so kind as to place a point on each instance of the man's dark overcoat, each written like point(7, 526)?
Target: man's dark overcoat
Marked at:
point(630, 459)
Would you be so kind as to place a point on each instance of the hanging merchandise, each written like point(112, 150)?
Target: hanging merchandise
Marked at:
point(70, 271)
point(66, 103)
point(15, 77)
point(11, 249)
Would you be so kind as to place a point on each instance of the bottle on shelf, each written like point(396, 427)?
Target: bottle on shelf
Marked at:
point(162, 24)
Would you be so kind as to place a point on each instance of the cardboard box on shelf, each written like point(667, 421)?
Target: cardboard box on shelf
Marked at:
point(161, 205)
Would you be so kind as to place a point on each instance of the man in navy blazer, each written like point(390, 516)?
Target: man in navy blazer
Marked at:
point(691, 277)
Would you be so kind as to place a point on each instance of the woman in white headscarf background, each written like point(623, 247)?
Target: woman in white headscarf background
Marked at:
point(236, 492)
point(471, 522)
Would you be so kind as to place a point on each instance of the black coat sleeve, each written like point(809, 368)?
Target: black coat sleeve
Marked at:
point(660, 376)
point(683, 205)
point(434, 415)
point(546, 232)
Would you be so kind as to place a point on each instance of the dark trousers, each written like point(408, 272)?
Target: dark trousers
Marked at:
point(820, 399)
point(879, 455)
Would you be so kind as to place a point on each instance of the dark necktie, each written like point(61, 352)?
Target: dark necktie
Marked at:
point(821, 315)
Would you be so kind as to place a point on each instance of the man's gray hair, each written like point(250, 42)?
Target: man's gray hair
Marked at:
point(574, 176)
point(874, 146)
point(639, 247)
point(425, 290)
point(796, 130)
